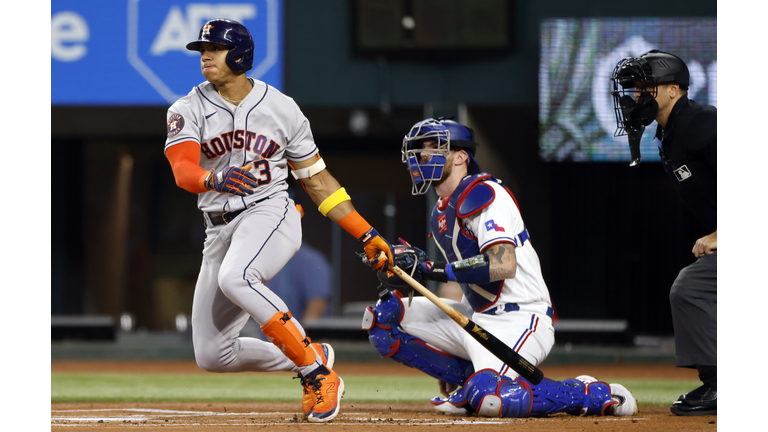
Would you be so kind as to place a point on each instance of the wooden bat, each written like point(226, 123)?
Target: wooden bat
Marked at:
point(498, 348)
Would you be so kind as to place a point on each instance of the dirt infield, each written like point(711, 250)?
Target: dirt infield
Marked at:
point(639, 371)
point(354, 417)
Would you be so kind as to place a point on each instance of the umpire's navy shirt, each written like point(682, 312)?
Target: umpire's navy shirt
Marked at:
point(688, 150)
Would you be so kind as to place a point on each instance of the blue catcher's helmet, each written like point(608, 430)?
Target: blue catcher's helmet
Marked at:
point(449, 135)
point(232, 34)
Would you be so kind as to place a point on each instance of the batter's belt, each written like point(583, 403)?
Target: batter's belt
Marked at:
point(227, 217)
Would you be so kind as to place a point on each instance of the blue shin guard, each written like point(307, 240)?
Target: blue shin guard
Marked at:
point(492, 395)
point(382, 323)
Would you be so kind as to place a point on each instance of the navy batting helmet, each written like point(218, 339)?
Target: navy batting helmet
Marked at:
point(232, 34)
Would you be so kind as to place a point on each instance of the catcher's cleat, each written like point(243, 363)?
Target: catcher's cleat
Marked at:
point(327, 391)
point(456, 404)
point(329, 357)
point(627, 404)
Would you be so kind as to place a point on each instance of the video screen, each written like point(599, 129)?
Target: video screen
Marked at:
point(576, 115)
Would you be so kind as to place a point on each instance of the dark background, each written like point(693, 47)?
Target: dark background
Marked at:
point(611, 238)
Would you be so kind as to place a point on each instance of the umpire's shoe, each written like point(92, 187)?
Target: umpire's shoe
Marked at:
point(698, 402)
point(327, 390)
point(329, 358)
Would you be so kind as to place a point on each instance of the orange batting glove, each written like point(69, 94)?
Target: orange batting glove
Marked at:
point(374, 245)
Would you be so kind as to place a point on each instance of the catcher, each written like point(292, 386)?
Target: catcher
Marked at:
point(476, 220)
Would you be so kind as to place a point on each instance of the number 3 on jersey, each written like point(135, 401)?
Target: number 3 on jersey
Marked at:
point(262, 172)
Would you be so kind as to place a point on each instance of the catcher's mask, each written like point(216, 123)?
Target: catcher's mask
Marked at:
point(635, 86)
point(449, 135)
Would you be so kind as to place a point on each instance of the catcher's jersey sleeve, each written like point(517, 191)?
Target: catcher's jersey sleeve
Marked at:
point(501, 222)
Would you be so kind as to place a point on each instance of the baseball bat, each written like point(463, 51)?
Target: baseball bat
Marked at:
point(498, 348)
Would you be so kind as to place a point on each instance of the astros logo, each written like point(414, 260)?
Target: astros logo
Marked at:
point(207, 29)
point(175, 125)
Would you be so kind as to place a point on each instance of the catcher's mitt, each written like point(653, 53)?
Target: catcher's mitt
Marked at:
point(406, 257)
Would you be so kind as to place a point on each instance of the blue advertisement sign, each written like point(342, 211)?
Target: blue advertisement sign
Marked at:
point(133, 52)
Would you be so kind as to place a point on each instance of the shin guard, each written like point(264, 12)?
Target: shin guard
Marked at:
point(382, 323)
point(281, 331)
point(492, 395)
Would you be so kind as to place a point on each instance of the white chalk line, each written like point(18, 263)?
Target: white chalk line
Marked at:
point(142, 420)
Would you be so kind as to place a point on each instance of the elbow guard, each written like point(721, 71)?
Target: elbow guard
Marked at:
point(309, 171)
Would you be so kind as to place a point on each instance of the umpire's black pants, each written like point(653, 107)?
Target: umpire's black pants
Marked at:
point(693, 299)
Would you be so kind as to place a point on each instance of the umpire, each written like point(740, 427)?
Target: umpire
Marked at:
point(687, 139)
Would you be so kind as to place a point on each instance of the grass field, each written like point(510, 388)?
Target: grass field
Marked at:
point(280, 387)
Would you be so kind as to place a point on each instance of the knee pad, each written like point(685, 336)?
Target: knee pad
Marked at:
point(494, 395)
point(382, 323)
point(281, 331)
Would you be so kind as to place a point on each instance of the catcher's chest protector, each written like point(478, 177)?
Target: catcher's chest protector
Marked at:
point(457, 241)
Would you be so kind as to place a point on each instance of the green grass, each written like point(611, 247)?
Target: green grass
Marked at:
point(124, 387)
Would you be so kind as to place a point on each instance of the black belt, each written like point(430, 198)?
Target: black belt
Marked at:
point(227, 217)
point(509, 307)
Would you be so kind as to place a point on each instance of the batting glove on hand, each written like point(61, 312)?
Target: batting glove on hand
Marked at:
point(234, 180)
point(378, 252)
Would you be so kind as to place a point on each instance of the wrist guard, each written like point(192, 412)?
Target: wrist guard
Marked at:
point(474, 270)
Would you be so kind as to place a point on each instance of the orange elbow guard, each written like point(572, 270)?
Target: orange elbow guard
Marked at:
point(282, 332)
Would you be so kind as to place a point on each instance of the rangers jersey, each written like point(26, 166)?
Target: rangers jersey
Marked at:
point(480, 213)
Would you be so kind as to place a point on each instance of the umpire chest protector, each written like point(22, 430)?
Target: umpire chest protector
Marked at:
point(455, 238)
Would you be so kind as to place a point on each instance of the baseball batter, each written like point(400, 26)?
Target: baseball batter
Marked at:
point(232, 141)
point(478, 227)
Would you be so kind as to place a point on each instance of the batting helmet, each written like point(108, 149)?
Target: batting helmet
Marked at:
point(232, 34)
point(449, 135)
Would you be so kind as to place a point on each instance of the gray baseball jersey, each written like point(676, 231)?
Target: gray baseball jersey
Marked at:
point(265, 130)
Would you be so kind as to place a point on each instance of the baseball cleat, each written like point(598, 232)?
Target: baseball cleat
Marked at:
point(329, 358)
point(456, 404)
point(326, 352)
point(586, 379)
point(627, 404)
point(327, 391)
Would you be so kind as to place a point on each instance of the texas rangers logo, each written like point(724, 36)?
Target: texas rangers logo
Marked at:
point(207, 29)
point(442, 224)
point(683, 173)
point(175, 125)
point(491, 226)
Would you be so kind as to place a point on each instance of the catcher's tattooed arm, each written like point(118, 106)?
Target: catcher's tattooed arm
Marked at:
point(502, 260)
